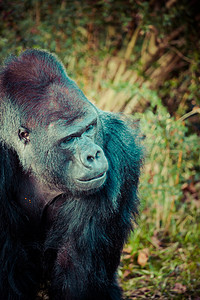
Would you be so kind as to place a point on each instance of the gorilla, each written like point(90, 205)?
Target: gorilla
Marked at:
point(69, 176)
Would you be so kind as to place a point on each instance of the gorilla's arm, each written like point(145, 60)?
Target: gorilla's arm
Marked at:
point(20, 254)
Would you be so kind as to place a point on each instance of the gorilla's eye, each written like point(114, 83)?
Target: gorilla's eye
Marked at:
point(66, 140)
point(90, 128)
point(24, 135)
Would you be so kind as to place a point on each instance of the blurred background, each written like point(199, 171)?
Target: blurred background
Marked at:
point(141, 58)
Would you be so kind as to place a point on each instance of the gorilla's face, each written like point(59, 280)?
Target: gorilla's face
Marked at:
point(67, 154)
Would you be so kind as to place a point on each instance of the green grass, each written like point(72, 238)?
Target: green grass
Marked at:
point(173, 267)
point(162, 257)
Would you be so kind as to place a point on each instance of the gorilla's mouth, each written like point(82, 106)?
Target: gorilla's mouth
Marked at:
point(86, 184)
point(93, 178)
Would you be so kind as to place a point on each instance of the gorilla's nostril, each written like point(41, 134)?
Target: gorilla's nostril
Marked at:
point(98, 154)
point(90, 158)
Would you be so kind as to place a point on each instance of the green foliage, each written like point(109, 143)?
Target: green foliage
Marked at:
point(173, 159)
point(169, 225)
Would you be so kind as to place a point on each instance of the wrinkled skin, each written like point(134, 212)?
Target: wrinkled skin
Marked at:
point(80, 163)
point(68, 185)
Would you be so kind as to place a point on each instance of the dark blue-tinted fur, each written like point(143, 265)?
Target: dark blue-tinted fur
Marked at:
point(75, 253)
point(101, 222)
point(20, 265)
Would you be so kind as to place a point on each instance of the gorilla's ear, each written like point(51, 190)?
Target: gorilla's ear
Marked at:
point(24, 135)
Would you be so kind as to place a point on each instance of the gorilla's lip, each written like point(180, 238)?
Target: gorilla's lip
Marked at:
point(99, 176)
point(92, 183)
